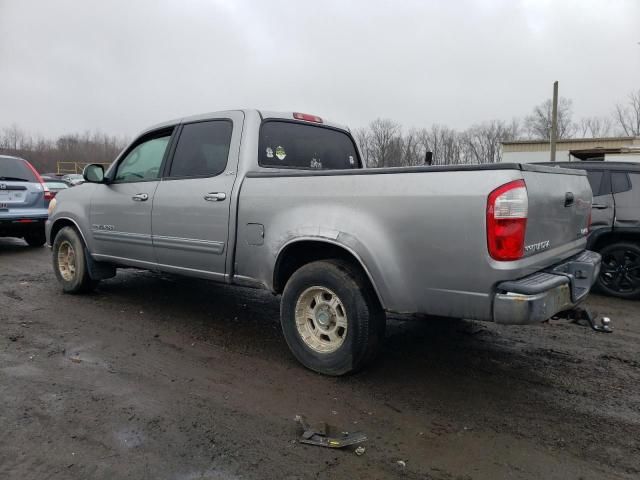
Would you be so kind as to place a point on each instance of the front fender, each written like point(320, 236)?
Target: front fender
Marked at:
point(73, 206)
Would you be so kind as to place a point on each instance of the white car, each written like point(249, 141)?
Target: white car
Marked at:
point(73, 178)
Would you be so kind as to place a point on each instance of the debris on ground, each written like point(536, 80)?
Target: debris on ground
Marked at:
point(360, 450)
point(323, 435)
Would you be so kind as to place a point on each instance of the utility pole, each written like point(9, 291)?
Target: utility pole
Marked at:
point(554, 121)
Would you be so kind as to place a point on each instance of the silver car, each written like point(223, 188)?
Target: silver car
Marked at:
point(24, 199)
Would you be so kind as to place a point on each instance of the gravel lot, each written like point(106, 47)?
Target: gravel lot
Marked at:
point(167, 378)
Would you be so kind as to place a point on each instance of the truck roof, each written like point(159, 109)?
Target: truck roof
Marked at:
point(264, 114)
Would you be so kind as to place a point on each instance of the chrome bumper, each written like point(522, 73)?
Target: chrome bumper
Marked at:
point(540, 296)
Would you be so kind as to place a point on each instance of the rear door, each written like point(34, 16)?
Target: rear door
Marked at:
point(603, 207)
point(121, 209)
point(192, 204)
point(626, 192)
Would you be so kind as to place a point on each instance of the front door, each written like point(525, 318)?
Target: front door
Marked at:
point(121, 208)
point(190, 219)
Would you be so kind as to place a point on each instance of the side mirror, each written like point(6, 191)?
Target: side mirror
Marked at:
point(93, 173)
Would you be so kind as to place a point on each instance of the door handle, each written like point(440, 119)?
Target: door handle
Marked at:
point(140, 197)
point(568, 199)
point(599, 206)
point(215, 196)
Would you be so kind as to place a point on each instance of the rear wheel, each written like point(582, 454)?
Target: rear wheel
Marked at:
point(620, 271)
point(331, 318)
point(69, 263)
point(36, 239)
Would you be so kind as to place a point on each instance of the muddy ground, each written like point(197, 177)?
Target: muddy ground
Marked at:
point(167, 378)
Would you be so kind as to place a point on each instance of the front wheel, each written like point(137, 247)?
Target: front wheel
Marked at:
point(331, 317)
point(69, 263)
point(620, 271)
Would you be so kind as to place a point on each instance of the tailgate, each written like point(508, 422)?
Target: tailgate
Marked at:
point(18, 195)
point(559, 207)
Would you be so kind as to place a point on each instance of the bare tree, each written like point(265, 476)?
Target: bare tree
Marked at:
point(443, 142)
point(538, 124)
point(385, 143)
point(362, 137)
point(13, 137)
point(413, 151)
point(483, 143)
point(627, 116)
point(87, 147)
point(594, 127)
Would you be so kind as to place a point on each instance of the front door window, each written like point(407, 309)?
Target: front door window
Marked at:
point(143, 162)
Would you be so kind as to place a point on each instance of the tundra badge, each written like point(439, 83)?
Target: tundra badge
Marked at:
point(536, 247)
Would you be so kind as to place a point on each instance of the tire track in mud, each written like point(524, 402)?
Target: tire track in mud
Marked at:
point(215, 391)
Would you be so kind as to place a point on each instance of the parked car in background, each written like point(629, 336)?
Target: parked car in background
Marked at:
point(615, 223)
point(24, 198)
point(282, 201)
point(73, 179)
point(55, 184)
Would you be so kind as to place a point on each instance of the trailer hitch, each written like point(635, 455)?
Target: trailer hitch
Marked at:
point(582, 315)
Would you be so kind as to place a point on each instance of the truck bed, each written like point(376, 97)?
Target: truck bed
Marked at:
point(425, 228)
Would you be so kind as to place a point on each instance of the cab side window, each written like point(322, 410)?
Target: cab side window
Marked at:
point(202, 149)
point(620, 182)
point(143, 162)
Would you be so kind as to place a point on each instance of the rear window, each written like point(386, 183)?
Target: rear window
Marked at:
point(297, 145)
point(15, 169)
point(595, 180)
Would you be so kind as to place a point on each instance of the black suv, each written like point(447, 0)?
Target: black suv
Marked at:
point(615, 223)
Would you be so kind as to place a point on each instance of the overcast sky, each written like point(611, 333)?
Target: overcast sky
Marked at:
point(120, 66)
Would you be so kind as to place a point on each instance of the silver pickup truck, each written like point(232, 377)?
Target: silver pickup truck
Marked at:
point(282, 201)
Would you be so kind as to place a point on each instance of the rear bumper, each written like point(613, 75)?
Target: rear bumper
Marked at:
point(540, 296)
point(20, 225)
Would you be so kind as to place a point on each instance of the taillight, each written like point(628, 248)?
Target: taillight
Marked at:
point(48, 195)
point(507, 209)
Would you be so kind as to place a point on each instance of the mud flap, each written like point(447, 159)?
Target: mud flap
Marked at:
point(98, 270)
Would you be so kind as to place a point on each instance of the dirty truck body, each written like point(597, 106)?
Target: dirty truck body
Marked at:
point(291, 209)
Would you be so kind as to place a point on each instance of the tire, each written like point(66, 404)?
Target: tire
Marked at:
point(69, 263)
point(620, 271)
point(36, 239)
point(338, 313)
